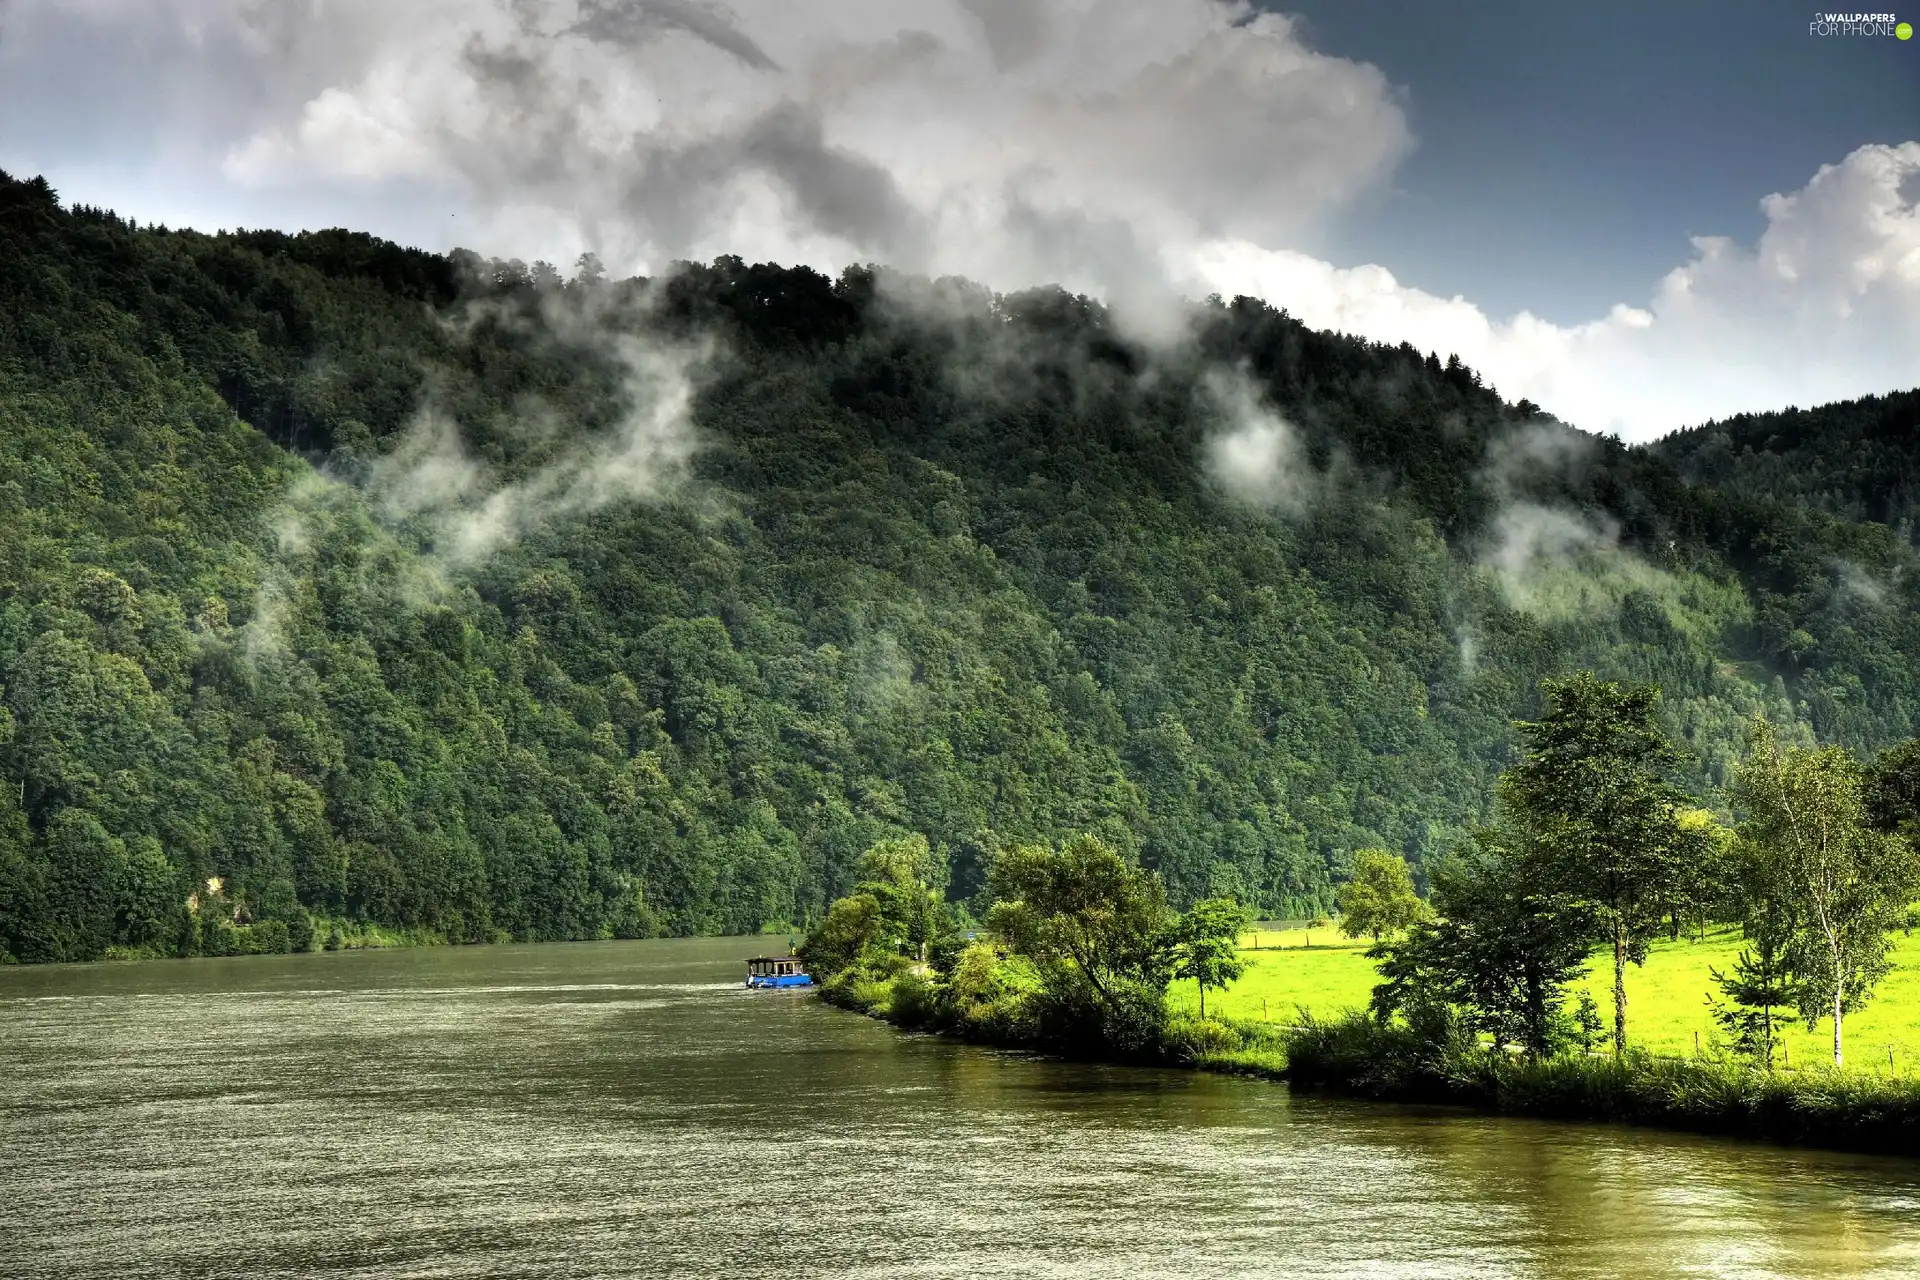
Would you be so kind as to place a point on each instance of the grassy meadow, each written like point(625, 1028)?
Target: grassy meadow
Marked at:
point(1291, 968)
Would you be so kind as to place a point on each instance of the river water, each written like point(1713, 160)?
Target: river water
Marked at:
point(627, 1109)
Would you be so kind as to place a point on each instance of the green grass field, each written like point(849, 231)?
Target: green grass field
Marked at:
point(1666, 1000)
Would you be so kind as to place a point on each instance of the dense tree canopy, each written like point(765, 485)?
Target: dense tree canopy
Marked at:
point(926, 561)
point(1859, 459)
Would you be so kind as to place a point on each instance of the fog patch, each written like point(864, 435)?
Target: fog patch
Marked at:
point(1854, 580)
point(1258, 458)
point(1467, 644)
point(1557, 562)
point(409, 523)
point(469, 510)
point(1552, 562)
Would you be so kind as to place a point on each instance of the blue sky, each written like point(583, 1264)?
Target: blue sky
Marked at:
point(1639, 215)
point(1565, 150)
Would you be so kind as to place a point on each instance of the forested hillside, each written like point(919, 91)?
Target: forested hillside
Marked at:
point(1859, 460)
point(448, 595)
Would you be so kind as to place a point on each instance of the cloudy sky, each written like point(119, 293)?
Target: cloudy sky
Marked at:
point(1639, 215)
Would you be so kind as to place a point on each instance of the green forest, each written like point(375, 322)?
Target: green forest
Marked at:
point(348, 588)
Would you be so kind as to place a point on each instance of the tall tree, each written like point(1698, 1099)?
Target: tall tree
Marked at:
point(1598, 814)
point(900, 874)
point(1761, 981)
point(1206, 944)
point(849, 936)
point(1380, 897)
point(1846, 885)
point(1501, 952)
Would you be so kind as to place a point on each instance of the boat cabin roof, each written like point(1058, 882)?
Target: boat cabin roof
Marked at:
point(774, 960)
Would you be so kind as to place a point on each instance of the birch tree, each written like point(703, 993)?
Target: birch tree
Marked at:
point(1848, 885)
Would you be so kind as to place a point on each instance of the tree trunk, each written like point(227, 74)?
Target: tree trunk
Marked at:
point(1619, 988)
point(1203, 1002)
point(1838, 1014)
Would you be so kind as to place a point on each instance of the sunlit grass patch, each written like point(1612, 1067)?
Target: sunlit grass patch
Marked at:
point(1666, 999)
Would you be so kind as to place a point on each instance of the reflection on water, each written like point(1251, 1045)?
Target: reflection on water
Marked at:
point(627, 1109)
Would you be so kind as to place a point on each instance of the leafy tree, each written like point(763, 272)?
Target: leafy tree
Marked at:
point(848, 937)
point(1206, 944)
point(149, 898)
point(1756, 894)
point(1501, 950)
point(897, 873)
point(1710, 890)
point(1845, 885)
point(1599, 816)
point(24, 919)
point(1892, 791)
point(1379, 898)
point(1094, 925)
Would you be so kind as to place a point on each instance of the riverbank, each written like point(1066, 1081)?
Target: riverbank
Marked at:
point(1866, 1111)
point(1857, 1110)
point(276, 937)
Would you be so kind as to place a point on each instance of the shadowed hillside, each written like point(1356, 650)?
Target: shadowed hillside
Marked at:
point(1859, 460)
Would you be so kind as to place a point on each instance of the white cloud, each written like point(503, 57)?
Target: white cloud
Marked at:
point(1825, 306)
point(1065, 141)
point(1128, 149)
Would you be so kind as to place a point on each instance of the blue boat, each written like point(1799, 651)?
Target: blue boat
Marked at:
point(777, 971)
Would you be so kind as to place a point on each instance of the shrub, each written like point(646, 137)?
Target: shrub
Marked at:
point(915, 1001)
point(1194, 1040)
point(268, 937)
point(988, 996)
point(299, 928)
point(869, 994)
point(1128, 1023)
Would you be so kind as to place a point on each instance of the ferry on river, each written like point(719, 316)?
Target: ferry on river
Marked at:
point(777, 971)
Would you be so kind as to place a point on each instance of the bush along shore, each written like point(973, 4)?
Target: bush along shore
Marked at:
point(994, 997)
point(1593, 848)
point(1822, 1106)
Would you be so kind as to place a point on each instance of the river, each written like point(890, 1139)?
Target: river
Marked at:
point(627, 1109)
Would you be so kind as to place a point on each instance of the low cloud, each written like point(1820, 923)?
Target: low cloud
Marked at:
point(1533, 549)
point(431, 480)
point(1258, 458)
point(1013, 141)
point(428, 508)
point(1860, 583)
point(1549, 559)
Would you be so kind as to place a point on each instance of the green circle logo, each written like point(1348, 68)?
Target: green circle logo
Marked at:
point(1904, 31)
